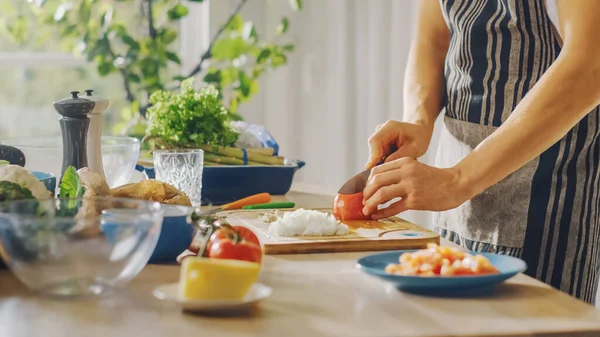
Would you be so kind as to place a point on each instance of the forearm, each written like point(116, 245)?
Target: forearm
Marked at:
point(424, 84)
point(564, 95)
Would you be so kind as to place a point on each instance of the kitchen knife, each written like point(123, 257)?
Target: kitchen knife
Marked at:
point(358, 183)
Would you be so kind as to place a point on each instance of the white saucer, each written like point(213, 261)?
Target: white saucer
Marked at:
point(257, 293)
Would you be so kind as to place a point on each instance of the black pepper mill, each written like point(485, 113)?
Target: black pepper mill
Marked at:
point(74, 124)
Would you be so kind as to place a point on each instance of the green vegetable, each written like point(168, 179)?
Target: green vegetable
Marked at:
point(70, 185)
point(190, 118)
point(10, 191)
point(4, 162)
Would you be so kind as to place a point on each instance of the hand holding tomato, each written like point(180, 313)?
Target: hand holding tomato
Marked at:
point(235, 243)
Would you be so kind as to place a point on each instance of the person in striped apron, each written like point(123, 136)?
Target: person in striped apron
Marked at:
point(517, 166)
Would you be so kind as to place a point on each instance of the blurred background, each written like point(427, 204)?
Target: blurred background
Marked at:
point(335, 69)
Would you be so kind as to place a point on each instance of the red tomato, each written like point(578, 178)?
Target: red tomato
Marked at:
point(349, 207)
point(234, 242)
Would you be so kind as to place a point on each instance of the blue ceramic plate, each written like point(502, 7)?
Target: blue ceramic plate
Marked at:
point(375, 265)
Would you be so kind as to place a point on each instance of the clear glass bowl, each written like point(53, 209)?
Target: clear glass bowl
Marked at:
point(78, 247)
point(44, 154)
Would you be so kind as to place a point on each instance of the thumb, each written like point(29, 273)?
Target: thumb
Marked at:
point(376, 154)
point(374, 158)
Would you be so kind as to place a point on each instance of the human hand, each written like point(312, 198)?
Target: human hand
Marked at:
point(420, 187)
point(394, 140)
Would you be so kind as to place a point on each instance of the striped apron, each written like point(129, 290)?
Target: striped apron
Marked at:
point(546, 212)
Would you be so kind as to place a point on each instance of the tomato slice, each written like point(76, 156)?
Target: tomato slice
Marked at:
point(349, 207)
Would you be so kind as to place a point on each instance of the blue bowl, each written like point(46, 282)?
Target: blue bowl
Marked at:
point(375, 265)
point(48, 179)
point(224, 184)
point(176, 235)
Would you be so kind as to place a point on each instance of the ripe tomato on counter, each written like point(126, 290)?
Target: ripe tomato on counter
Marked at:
point(236, 243)
point(349, 207)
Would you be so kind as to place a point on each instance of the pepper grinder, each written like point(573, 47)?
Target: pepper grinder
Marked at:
point(74, 124)
point(94, 136)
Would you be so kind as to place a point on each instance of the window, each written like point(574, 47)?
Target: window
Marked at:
point(33, 75)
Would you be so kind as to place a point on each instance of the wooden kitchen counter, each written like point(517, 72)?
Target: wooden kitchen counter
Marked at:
point(314, 295)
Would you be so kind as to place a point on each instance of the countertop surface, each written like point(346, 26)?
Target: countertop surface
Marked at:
point(314, 295)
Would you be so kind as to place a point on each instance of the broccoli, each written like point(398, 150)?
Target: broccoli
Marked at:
point(10, 191)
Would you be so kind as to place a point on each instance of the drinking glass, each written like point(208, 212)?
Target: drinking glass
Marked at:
point(181, 168)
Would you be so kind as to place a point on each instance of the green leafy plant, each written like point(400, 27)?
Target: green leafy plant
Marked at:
point(141, 48)
point(190, 118)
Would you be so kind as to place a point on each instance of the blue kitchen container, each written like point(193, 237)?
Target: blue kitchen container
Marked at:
point(224, 184)
point(48, 179)
point(176, 234)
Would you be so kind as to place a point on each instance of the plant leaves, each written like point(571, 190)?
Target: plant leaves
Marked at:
point(263, 56)
point(288, 47)
point(283, 26)
point(177, 12)
point(85, 11)
point(229, 49)
point(296, 4)
point(189, 117)
point(105, 68)
point(19, 29)
point(134, 78)
point(168, 36)
point(173, 57)
point(213, 76)
point(128, 40)
point(236, 24)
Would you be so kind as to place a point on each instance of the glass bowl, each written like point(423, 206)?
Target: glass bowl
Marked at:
point(44, 154)
point(78, 247)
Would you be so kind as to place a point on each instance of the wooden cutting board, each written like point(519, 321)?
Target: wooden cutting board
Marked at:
point(390, 234)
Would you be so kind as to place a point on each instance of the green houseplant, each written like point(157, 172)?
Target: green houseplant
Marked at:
point(140, 46)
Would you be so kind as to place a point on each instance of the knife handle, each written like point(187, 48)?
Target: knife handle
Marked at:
point(280, 204)
point(251, 200)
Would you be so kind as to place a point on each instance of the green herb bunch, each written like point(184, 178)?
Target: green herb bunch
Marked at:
point(189, 118)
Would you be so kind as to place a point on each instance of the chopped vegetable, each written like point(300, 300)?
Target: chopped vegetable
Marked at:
point(10, 191)
point(70, 185)
point(21, 176)
point(189, 119)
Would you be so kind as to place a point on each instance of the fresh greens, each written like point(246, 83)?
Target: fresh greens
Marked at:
point(190, 118)
point(4, 162)
point(70, 185)
point(10, 191)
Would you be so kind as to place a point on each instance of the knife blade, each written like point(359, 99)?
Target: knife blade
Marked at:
point(356, 184)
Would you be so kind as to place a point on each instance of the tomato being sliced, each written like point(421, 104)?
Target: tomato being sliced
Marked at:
point(236, 243)
point(349, 207)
